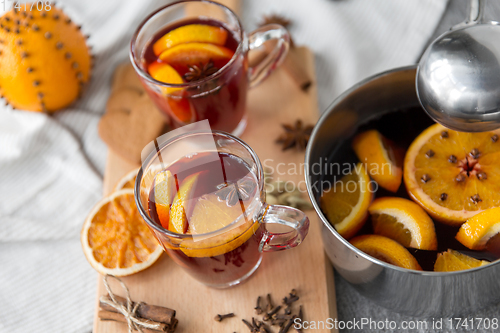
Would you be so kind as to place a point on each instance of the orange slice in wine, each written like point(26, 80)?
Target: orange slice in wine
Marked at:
point(180, 209)
point(164, 194)
point(211, 214)
point(184, 55)
point(180, 107)
point(166, 74)
point(199, 33)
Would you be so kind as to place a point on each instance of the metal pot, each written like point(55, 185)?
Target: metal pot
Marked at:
point(416, 293)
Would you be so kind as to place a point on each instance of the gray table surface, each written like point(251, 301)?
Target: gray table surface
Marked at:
point(350, 304)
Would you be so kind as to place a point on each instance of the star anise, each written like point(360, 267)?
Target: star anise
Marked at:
point(201, 71)
point(275, 19)
point(295, 136)
point(234, 192)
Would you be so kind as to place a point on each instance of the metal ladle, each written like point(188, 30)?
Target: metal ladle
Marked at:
point(458, 76)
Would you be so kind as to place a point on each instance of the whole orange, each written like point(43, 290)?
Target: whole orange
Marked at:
point(44, 58)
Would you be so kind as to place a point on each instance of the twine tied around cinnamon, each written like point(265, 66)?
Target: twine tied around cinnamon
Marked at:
point(129, 312)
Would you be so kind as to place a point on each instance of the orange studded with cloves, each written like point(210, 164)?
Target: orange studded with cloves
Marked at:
point(44, 59)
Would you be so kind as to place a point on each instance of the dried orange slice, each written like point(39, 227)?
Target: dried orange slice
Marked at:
point(403, 221)
point(164, 195)
point(200, 33)
point(379, 156)
point(115, 238)
point(180, 209)
point(479, 229)
point(189, 54)
point(387, 250)
point(346, 203)
point(167, 74)
point(453, 175)
point(451, 260)
point(127, 181)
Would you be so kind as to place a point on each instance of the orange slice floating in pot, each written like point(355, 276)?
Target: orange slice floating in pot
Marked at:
point(379, 156)
point(403, 221)
point(346, 203)
point(451, 260)
point(453, 175)
point(387, 250)
point(479, 229)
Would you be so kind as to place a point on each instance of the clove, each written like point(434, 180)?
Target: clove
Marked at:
point(250, 326)
point(286, 328)
point(270, 304)
point(270, 314)
point(264, 329)
point(290, 300)
point(288, 309)
point(255, 324)
point(278, 322)
point(282, 316)
point(258, 308)
point(223, 316)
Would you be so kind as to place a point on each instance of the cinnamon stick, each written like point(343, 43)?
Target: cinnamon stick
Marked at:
point(151, 312)
point(118, 317)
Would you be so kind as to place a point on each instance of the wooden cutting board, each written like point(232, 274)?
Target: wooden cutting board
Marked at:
point(306, 268)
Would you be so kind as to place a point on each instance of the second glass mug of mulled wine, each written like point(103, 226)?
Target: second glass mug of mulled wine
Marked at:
point(192, 58)
point(202, 194)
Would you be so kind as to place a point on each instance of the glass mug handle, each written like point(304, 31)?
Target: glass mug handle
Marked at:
point(287, 216)
point(266, 66)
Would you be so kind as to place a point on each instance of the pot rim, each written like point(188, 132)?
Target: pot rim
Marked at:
point(318, 210)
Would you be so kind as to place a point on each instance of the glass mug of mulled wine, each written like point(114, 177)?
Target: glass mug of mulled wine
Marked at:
point(202, 194)
point(192, 58)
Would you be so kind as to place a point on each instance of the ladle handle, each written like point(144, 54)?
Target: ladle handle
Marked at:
point(476, 12)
